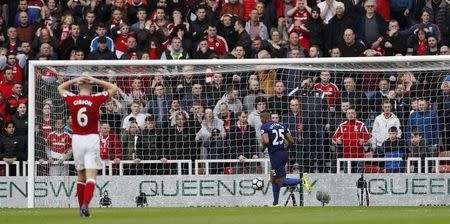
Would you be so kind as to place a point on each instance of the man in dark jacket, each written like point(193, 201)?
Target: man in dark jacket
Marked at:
point(102, 52)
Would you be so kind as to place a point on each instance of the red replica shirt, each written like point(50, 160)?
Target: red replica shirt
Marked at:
point(218, 45)
point(301, 15)
point(46, 127)
point(352, 132)
point(110, 147)
point(59, 142)
point(17, 72)
point(331, 92)
point(120, 43)
point(85, 111)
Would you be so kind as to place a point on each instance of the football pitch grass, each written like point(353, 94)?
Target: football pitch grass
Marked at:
point(238, 215)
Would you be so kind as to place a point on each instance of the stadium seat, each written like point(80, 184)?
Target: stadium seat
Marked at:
point(228, 170)
point(371, 167)
point(444, 165)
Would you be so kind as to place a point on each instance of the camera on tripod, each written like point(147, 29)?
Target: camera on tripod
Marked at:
point(361, 185)
point(105, 201)
point(141, 200)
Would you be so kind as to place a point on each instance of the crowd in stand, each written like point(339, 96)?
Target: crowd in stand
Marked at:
point(216, 116)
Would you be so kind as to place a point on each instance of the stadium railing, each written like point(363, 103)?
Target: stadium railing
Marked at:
point(265, 163)
point(178, 162)
point(436, 162)
point(399, 159)
point(7, 167)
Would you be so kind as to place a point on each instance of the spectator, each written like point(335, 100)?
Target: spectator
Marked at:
point(231, 98)
point(33, 13)
point(135, 115)
point(442, 13)
point(87, 29)
point(243, 37)
point(401, 104)
point(216, 88)
point(134, 8)
point(425, 23)
point(432, 48)
point(158, 106)
point(102, 52)
point(356, 98)
point(173, 111)
point(293, 45)
point(232, 8)
point(226, 30)
point(327, 9)
point(227, 116)
point(351, 47)
point(100, 30)
point(175, 51)
point(314, 121)
point(279, 102)
point(418, 42)
point(25, 30)
point(110, 146)
point(203, 51)
point(335, 52)
point(334, 30)
point(129, 149)
point(215, 147)
point(75, 40)
point(316, 28)
point(6, 85)
point(401, 11)
point(253, 93)
point(301, 12)
point(199, 26)
point(394, 147)
point(14, 101)
point(382, 125)
point(257, 47)
point(208, 124)
point(243, 142)
point(303, 33)
point(12, 42)
point(179, 142)
point(112, 117)
point(353, 135)
point(419, 148)
point(215, 42)
point(329, 89)
point(149, 147)
point(58, 149)
point(392, 42)
point(160, 19)
point(139, 23)
point(371, 26)
point(267, 78)
point(256, 28)
point(20, 120)
point(196, 94)
point(11, 147)
point(377, 99)
point(444, 50)
point(276, 45)
point(62, 31)
point(254, 119)
point(426, 121)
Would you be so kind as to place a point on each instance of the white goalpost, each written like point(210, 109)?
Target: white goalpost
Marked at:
point(184, 121)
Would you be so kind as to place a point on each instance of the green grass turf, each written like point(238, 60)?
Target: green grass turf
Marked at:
point(247, 215)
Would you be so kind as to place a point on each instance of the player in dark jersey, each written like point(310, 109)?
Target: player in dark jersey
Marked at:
point(274, 137)
point(84, 109)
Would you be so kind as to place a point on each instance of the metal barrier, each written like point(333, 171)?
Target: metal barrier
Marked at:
point(436, 160)
point(349, 164)
point(178, 162)
point(17, 163)
point(208, 161)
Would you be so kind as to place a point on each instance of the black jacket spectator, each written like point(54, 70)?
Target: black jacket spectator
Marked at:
point(398, 43)
point(12, 146)
point(354, 50)
point(102, 55)
point(21, 123)
point(243, 141)
point(335, 30)
point(360, 27)
point(71, 43)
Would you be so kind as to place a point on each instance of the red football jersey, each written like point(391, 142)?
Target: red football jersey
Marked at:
point(351, 132)
point(59, 142)
point(331, 92)
point(85, 111)
point(300, 15)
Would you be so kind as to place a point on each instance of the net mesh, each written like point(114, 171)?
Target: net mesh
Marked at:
point(178, 119)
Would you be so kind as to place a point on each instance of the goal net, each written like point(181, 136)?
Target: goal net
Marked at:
point(201, 117)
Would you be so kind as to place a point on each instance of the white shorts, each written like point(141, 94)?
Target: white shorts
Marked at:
point(86, 151)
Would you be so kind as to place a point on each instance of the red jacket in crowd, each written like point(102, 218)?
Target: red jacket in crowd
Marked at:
point(351, 133)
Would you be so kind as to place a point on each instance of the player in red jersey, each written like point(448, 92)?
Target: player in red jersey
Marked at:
point(84, 109)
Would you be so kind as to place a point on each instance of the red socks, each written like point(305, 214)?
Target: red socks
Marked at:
point(88, 192)
point(80, 191)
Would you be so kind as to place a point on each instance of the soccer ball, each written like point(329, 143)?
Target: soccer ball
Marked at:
point(258, 183)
